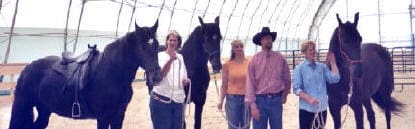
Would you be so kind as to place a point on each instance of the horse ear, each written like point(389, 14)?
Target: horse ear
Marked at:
point(338, 19)
point(201, 21)
point(217, 20)
point(356, 19)
point(155, 26)
point(136, 26)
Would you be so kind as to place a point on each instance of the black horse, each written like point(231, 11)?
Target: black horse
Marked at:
point(95, 87)
point(366, 72)
point(203, 45)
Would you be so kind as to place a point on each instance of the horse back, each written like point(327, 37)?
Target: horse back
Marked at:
point(32, 74)
point(377, 69)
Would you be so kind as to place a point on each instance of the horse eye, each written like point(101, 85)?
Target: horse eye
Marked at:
point(214, 37)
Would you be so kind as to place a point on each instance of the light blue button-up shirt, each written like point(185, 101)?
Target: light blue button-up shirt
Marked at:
point(311, 79)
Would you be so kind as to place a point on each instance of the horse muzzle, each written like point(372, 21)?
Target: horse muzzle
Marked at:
point(154, 76)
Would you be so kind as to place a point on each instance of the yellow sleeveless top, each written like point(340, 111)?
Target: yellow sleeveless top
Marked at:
point(236, 76)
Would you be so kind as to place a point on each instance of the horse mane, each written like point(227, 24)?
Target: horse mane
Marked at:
point(334, 44)
point(334, 41)
point(116, 52)
point(120, 42)
point(192, 43)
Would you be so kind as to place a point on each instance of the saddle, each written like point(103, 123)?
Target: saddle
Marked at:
point(76, 67)
point(69, 57)
point(75, 70)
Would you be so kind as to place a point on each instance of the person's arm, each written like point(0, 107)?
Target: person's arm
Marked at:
point(298, 86)
point(250, 82)
point(166, 67)
point(332, 76)
point(297, 80)
point(224, 88)
point(311, 100)
point(250, 90)
point(287, 80)
point(333, 63)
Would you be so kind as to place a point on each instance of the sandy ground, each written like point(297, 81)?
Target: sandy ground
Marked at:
point(138, 116)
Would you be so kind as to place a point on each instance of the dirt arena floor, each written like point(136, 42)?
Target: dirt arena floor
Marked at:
point(138, 115)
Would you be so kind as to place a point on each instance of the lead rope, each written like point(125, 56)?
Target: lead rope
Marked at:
point(351, 72)
point(319, 119)
point(245, 115)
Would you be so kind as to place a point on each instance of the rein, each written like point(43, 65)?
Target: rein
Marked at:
point(349, 63)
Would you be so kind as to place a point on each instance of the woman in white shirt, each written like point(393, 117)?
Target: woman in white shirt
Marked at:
point(167, 97)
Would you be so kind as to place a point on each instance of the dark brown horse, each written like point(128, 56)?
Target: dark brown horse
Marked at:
point(203, 45)
point(366, 73)
point(102, 92)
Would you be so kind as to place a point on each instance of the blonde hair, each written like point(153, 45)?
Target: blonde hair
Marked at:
point(306, 44)
point(233, 43)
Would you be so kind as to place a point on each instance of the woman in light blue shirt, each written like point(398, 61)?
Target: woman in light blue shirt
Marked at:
point(309, 83)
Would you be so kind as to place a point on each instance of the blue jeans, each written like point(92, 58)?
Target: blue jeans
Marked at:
point(166, 116)
point(237, 112)
point(270, 110)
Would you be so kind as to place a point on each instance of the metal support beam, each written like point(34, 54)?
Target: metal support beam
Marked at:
point(318, 18)
point(379, 24)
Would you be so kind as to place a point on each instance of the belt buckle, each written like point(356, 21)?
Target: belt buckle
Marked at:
point(269, 95)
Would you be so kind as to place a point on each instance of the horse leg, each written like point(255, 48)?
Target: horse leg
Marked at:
point(22, 113)
point(388, 118)
point(103, 123)
point(116, 122)
point(198, 115)
point(384, 100)
point(335, 109)
point(42, 120)
point(370, 114)
point(199, 110)
point(358, 114)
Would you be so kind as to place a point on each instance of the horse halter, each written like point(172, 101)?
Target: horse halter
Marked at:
point(343, 53)
point(215, 52)
point(211, 53)
point(349, 63)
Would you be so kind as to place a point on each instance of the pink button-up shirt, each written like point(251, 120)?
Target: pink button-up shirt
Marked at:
point(268, 72)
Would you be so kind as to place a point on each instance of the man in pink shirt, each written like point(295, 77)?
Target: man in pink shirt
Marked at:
point(268, 83)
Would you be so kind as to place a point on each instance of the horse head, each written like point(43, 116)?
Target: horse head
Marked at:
point(349, 39)
point(345, 43)
point(211, 42)
point(147, 49)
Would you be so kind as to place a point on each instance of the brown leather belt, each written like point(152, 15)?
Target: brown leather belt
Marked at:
point(269, 94)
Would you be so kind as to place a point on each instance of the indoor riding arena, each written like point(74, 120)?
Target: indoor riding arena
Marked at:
point(81, 58)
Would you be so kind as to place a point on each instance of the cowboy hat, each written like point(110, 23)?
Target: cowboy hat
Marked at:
point(265, 31)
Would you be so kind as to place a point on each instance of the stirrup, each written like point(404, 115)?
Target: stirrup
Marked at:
point(76, 110)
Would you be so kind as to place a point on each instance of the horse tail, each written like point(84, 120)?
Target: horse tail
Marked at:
point(22, 109)
point(383, 96)
point(387, 102)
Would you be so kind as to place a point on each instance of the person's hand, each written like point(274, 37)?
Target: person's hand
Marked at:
point(331, 58)
point(185, 82)
point(312, 101)
point(173, 56)
point(255, 113)
point(219, 106)
point(284, 98)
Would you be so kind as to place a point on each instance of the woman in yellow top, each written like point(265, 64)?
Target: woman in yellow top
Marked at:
point(233, 87)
